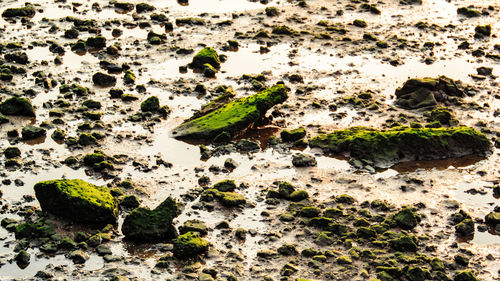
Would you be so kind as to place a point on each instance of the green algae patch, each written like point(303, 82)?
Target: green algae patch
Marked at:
point(145, 225)
point(17, 106)
point(189, 245)
point(77, 200)
point(384, 148)
point(206, 55)
point(234, 116)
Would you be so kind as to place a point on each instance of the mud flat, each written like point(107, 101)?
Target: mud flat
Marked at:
point(241, 140)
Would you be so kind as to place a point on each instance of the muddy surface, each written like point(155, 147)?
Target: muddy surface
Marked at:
point(335, 60)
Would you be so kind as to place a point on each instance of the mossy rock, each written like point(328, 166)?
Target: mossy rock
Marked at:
point(103, 79)
point(194, 226)
point(206, 55)
point(129, 77)
point(77, 200)
point(293, 135)
point(232, 117)
point(465, 228)
point(407, 219)
point(466, 275)
point(225, 185)
point(32, 132)
point(145, 225)
point(493, 218)
point(27, 11)
point(38, 229)
point(151, 104)
point(443, 115)
point(404, 243)
point(17, 106)
point(425, 92)
point(189, 245)
point(384, 148)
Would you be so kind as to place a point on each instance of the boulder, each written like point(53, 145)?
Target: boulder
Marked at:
point(384, 148)
point(17, 106)
point(426, 92)
point(77, 200)
point(232, 117)
point(145, 225)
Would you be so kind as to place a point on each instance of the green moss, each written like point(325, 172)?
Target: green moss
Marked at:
point(407, 219)
point(17, 106)
point(443, 115)
point(206, 55)
point(404, 243)
point(465, 275)
point(293, 135)
point(94, 158)
point(225, 185)
point(74, 89)
point(129, 77)
point(387, 147)
point(77, 200)
point(284, 30)
point(234, 116)
point(299, 195)
point(38, 229)
point(151, 104)
point(310, 212)
point(147, 225)
point(189, 245)
point(32, 132)
point(85, 139)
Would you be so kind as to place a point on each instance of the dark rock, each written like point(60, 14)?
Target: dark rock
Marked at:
point(145, 225)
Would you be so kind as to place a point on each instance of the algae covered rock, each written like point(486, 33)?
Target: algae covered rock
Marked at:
point(77, 200)
point(383, 148)
point(206, 55)
point(407, 219)
point(425, 92)
point(189, 245)
point(145, 225)
point(103, 79)
point(26, 11)
point(17, 106)
point(234, 116)
point(32, 132)
point(293, 135)
point(151, 104)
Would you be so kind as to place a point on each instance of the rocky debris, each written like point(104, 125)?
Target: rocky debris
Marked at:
point(384, 148)
point(234, 116)
point(17, 106)
point(77, 200)
point(145, 225)
point(304, 160)
point(425, 92)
